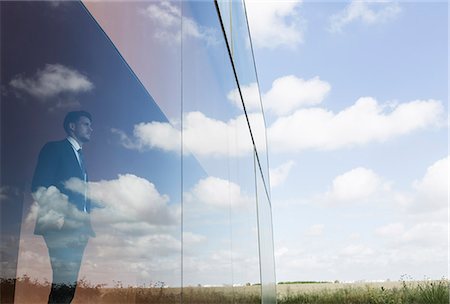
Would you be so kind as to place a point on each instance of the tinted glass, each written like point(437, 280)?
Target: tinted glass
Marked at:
point(56, 59)
point(220, 257)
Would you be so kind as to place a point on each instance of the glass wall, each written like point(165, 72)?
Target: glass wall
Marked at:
point(239, 42)
point(163, 202)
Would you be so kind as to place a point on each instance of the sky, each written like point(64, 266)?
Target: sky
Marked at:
point(126, 71)
point(356, 108)
point(355, 95)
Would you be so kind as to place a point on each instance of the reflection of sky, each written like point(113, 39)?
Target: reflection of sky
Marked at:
point(66, 36)
point(117, 101)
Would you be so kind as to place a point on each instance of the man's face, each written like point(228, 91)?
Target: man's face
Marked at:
point(82, 129)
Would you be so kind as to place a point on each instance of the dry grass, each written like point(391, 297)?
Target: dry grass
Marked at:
point(425, 292)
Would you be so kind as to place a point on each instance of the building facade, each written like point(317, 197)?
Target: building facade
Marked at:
point(177, 160)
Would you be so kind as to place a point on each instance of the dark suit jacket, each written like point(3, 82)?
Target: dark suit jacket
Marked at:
point(57, 163)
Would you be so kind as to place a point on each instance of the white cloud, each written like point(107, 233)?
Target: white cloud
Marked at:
point(218, 192)
point(364, 122)
point(52, 211)
point(279, 174)
point(287, 94)
point(151, 135)
point(390, 230)
point(313, 128)
point(51, 81)
point(357, 251)
point(128, 199)
point(275, 23)
point(315, 230)
point(355, 185)
point(414, 240)
point(368, 12)
point(432, 189)
point(167, 16)
point(422, 234)
point(250, 93)
point(203, 136)
point(281, 251)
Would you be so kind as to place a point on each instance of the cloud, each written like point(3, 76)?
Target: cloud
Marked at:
point(315, 230)
point(422, 234)
point(357, 251)
point(151, 135)
point(128, 199)
point(364, 122)
point(390, 230)
point(358, 184)
point(168, 18)
point(279, 174)
point(51, 81)
point(250, 93)
point(368, 12)
point(287, 94)
point(312, 128)
point(432, 189)
point(202, 136)
point(52, 211)
point(275, 23)
point(218, 192)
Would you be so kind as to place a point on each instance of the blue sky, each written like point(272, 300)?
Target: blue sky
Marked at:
point(355, 98)
point(356, 196)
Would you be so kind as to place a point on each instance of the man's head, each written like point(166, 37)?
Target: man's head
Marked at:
point(78, 125)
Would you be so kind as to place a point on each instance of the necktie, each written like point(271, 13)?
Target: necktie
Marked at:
point(81, 158)
point(83, 170)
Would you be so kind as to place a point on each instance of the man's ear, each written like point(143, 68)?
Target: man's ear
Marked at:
point(72, 126)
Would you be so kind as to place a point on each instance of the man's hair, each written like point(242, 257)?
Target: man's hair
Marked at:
point(73, 117)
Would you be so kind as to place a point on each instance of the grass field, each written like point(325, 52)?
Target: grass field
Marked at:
point(424, 292)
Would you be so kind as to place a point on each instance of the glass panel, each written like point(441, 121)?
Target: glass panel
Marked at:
point(56, 59)
point(268, 279)
point(220, 249)
point(151, 76)
point(235, 24)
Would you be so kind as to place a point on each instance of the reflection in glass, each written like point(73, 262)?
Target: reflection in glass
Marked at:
point(220, 248)
point(265, 234)
point(166, 183)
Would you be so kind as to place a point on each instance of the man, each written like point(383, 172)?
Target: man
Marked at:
point(63, 217)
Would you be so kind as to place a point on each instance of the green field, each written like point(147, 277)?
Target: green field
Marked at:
point(425, 292)
point(402, 292)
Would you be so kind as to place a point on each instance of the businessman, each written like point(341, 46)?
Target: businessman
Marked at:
point(63, 215)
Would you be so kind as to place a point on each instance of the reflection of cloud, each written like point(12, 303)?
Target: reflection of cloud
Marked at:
point(128, 199)
point(168, 18)
point(250, 93)
point(279, 174)
point(138, 232)
point(217, 192)
point(274, 23)
point(369, 12)
point(202, 136)
point(8, 193)
point(364, 122)
point(52, 211)
point(315, 128)
point(287, 94)
point(53, 80)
